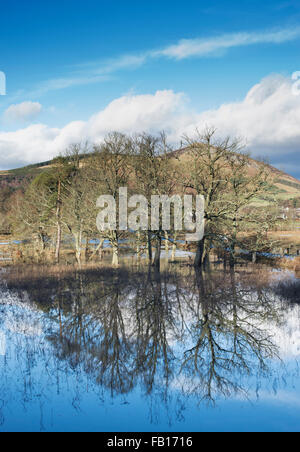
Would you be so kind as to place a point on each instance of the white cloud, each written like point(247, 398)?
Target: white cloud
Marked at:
point(136, 113)
point(268, 118)
point(95, 72)
point(202, 47)
point(128, 114)
point(23, 112)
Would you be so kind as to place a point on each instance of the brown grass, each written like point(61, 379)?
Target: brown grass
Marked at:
point(291, 264)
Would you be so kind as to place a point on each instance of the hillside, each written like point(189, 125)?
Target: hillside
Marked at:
point(16, 178)
point(286, 187)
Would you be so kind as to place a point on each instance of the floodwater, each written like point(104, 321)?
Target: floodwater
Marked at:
point(107, 350)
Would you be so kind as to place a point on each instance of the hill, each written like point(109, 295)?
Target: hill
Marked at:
point(285, 186)
point(16, 178)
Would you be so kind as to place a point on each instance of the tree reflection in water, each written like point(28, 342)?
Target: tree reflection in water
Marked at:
point(173, 335)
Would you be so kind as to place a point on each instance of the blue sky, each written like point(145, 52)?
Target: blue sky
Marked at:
point(79, 69)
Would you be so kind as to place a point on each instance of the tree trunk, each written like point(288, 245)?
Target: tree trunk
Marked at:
point(42, 241)
point(115, 258)
point(200, 253)
point(138, 245)
point(232, 257)
point(85, 249)
point(206, 260)
point(115, 249)
point(78, 246)
point(58, 242)
point(156, 262)
point(98, 249)
point(225, 260)
point(174, 247)
point(167, 245)
point(58, 211)
point(149, 247)
point(233, 244)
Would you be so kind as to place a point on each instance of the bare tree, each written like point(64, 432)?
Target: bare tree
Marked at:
point(110, 171)
point(155, 174)
point(217, 169)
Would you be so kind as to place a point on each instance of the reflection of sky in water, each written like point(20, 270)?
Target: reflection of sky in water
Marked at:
point(50, 363)
point(2, 343)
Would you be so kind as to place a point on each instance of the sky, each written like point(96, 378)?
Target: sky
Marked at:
point(76, 70)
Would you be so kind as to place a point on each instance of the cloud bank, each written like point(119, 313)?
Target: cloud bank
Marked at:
point(267, 118)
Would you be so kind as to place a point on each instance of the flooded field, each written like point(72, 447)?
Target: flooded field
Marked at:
point(104, 350)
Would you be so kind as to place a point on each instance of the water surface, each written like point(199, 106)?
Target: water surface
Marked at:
point(142, 351)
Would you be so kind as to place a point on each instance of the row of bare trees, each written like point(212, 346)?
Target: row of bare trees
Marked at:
point(60, 203)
